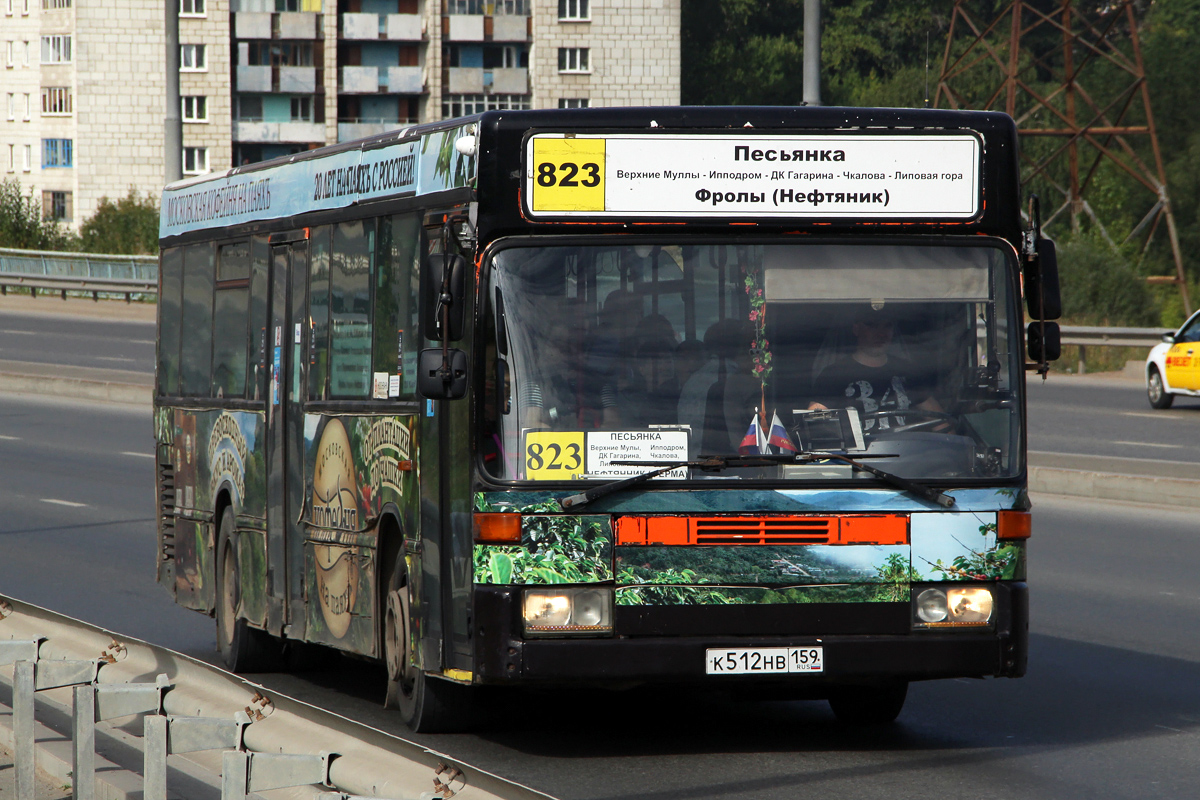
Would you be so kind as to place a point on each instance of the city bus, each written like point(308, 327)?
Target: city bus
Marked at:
point(725, 398)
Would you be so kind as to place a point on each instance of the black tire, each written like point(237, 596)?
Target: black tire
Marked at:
point(242, 648)
point(869, 705)
point(426, 703)
point(1156, 390)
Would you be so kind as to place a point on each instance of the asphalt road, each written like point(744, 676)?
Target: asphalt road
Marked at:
point(76, 341)
point(1110, 708)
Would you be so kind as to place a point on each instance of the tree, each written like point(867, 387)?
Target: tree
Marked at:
point(22, 224)
point(129, 226)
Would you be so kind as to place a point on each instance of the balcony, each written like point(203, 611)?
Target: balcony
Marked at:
point(297, 80)
point(351, 129)
point(405, 80)
point(404, 28)
point(506, 81)
point(253, 79)
point(251, 25)
point(298, 25)
point(247, 131)
point(510, 28)
point(360, 80)
point(466, 28)
point(465, 80)
point(360, 26)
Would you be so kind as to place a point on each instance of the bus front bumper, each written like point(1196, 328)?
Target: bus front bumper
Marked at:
point(504, 656)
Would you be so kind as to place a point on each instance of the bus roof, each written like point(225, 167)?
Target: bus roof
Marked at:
point(707, 167)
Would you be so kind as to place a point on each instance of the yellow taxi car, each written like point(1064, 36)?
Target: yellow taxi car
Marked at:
point(1173, 366)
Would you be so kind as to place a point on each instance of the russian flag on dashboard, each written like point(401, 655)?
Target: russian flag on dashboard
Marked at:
point(779, 437)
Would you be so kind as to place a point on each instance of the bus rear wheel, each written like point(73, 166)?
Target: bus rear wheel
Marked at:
point(242, 648)
point(869, 705)
point(427, 704)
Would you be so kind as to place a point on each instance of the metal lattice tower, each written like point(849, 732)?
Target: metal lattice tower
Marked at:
point(1071, 75)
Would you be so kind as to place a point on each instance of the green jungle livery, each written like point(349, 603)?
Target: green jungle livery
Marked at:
point(728, 397)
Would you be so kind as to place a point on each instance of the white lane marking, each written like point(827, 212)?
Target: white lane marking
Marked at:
point(1155, 416)
point(138, 455)
point(63, 502)
point(10, 438)
point(112, 358)
point(1151, 444)
point(20, 333)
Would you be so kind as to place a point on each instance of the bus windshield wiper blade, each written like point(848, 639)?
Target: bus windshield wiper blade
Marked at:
point(704, 462)
point(771, 459)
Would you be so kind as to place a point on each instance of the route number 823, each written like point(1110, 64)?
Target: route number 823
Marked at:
point(547, 174)
point(553, 456)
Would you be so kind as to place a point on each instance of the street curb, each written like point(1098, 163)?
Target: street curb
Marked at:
point(79, 388)
point(1113, 486)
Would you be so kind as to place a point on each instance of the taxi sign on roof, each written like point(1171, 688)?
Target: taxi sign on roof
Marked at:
point(884, 176)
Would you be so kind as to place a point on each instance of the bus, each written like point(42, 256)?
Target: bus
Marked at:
point(731, 398)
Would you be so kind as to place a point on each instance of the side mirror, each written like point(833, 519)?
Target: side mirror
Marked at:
point(1169, 337)
point(1044, 348)
point(1042, 296)
point(438, 296)
point(437, 383)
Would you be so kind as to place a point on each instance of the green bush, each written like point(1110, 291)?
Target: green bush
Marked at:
point(1099, 287)
point(22, 225)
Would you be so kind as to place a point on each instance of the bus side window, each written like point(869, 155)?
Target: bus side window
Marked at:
point(260, 252)
point(196, 359)
point(169, 321)
point(352, 267)
point(318, 313)
point(230, 307)
point(397, 276)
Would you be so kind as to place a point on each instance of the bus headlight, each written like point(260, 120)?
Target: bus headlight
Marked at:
point(953, 606)
point(577, 611)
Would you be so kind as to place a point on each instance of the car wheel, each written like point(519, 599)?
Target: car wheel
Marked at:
point(1156, 390)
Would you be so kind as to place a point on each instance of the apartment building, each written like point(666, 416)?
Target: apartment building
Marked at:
point(84, 88)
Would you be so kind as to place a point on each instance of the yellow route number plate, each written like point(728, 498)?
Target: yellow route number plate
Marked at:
point(553, 456)
point(568, 174)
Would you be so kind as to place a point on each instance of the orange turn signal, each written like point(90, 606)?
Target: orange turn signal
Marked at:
point(493, 527)
point(1013, 525)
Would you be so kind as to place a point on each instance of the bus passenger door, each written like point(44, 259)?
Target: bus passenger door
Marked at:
point(285, 452)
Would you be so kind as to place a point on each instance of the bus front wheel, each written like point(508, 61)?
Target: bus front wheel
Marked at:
point(427, 704)
point(869, 705)
point(242, 648)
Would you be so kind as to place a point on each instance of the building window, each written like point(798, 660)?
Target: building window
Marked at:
point(24, 8)
point(56, 153)
point(191, 58)
point(573, 102)
point(461, 105)
point(56, 49)
point(574, 10)
point(248, 107)
point(28, 160)
point(27, 49)
point(464, 6)
point(12, 158)
point(573, 59)
point(195, 109)
point(195, 160)
point(51, 5)
point(56, 101)
point(279, 54)
point(8, 50)
point(191, 8)
point(8, 4)
point(27, 106)
point(12, 105)
point(302, 109)
point(518, 8)
point(56, 206)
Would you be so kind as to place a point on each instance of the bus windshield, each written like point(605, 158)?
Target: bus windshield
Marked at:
point(600, 355)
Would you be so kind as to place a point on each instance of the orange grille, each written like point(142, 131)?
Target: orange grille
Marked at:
point(776, 530)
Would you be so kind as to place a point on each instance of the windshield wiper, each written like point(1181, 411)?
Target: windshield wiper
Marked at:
point(724, 462)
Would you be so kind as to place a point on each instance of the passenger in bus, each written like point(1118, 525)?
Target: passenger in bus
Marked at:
point(724, 376)
point(607, 356)
point(652, 398)
point(874, 379)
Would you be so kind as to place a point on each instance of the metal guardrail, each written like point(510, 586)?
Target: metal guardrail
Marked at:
point(267, 740)
point(1084, 336)
point(86, 273)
